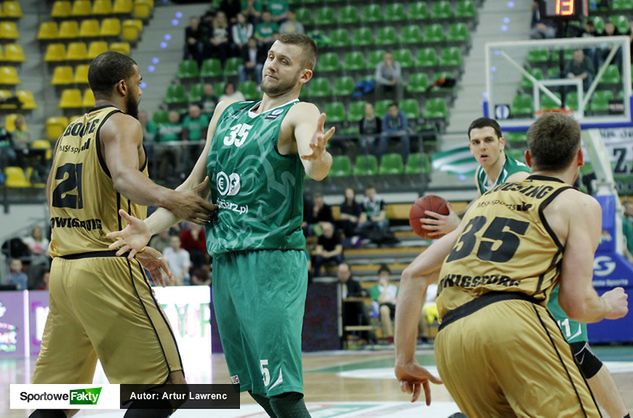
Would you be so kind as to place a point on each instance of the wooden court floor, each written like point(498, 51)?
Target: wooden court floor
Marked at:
point(337, 384)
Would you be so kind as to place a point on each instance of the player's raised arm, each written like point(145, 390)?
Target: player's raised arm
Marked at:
point(312, 139)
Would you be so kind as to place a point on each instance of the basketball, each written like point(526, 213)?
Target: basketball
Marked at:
point(429, 202)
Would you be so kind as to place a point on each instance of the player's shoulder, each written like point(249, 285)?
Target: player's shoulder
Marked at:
point(120, 120)
point(302, 109)
point(578, 203)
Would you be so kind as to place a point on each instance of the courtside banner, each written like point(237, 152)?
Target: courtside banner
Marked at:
point(65, 397)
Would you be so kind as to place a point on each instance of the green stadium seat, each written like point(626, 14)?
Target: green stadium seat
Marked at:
point(341, 166)
point(175, 95)
point(418, 83)
point(196, 93)
point(394, 12)
point(621, 23)
point(537, 73)
point(324, 16)
point(451, 57)
point(434, 33)
point(373, 58)
point(340, 38)
point(622, 5)
point(363, 37)
point(381, 107)
point(426, 58)
point(304, 15)
point(372, 13)
point(348, 15)
point(419, 11)
point(571, 100)
point(599, 102)
point(354, 61)
point(411, 109)
point(411, 34)
point(232, 66)
point(515, 138)
point(549, 103)
point(391, 164)
point(418, 163)
point(211, 68)
point(435, 108)
point(319, 87)
point(458, 32)
point(160, 116)
point(465, 9)
point(387, 36)
point(538, 56)
point(344, 86)
point(355, 112)
point(553, 73)
point(598, 24)
point(441, 10)
point(329, 62)
point(188, 69)
point(335, 112)
point(522, 105)
point(249, 90)
point(404, 57)
point(611, 75)
point(365, 165)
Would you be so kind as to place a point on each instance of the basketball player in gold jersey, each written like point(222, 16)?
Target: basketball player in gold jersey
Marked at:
point(102, 306)
point(499, 351)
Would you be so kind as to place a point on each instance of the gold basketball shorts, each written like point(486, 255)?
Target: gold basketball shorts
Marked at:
point(509, 359)
point(104, 308)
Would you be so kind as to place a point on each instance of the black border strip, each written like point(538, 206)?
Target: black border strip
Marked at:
point(542, 207)
point(100, 156)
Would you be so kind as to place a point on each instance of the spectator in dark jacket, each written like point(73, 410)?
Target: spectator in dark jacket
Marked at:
point(253, 57)
point(395, 126)
point(370, 128)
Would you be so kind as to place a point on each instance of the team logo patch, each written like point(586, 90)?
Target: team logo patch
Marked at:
point(274, 114)
point(235, 380)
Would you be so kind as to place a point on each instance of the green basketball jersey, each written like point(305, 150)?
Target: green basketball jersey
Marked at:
point(510, 167)
point(259, 192)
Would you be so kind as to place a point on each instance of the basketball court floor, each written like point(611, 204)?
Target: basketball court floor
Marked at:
point(337, 384)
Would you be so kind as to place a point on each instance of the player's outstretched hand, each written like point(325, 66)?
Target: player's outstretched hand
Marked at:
point(131, 239)
point(413, 377)
point(319, 140)
point(438, 224)
point(192, 205)
point(152, 260)
point(617, 302)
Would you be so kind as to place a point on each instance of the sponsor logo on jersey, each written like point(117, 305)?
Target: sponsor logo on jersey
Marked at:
point(274, 114)
point(228, 185)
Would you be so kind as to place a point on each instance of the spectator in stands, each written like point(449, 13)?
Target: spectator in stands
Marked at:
point(291, 25)
point(349, 215)
point(253, 58)
point(265, 31)
point(252, 9)
point(209, 99)
point(242, 31)
point(230, 93)
point(193, 239)
point(373, 217)
point(38, 246)
point(217, 42)
point(610, 30)
point(278, 9)
point(329, 249)
point(16, 276)
point(201, 276)
point(580, 67)
point(25, 155)
point(160, 241)
point(353, 311)
point(395, 126)
point(170, 156)
point(42, 283)
point(383, 297)
point(193, 46)
point(7, 154)
point(316, 213)
point(195, 125)
point(149, 127)
point(627, 227)
point(388, 78)
point(541, 28)
point(370, 129)
point(231, 8)
point(178, 261)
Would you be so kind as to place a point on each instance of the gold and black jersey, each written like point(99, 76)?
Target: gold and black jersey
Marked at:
point(83, 203)
point(506, 246)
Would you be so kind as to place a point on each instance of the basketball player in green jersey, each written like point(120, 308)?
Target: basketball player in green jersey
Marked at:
point(256, 156)
point(514, 245)
point(487, 145)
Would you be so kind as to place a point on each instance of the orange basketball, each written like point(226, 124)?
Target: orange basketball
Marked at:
point(430, 202)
